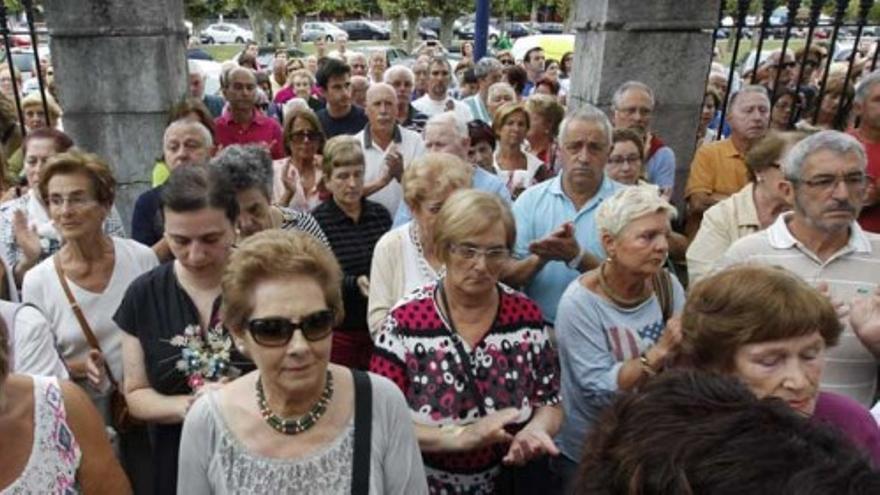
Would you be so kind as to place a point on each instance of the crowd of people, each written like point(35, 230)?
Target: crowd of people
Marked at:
point(350, 277)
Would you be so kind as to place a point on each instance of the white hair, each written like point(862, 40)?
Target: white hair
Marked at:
point(630, 86)
point(586, 113)
point(500, 86)
point(194, 68)
point(187, 124)
point(837, 142)
point(865, 86)
point(295, 104)
point(451, 119)
point(628, 204)
point(394, 70)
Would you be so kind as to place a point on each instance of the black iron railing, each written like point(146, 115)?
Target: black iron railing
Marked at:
point(6, 33)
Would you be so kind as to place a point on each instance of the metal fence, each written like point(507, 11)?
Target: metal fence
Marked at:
point(847, 38)
point(18, 63)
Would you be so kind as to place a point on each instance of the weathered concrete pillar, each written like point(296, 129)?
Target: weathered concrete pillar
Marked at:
point(666, 44)
point(120, 65)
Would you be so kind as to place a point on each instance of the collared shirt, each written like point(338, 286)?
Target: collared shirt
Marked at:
point(717, 168)
point(353, 244)
point(478, 108)
point(260, 130)
point(415, 120)
point(850, 368)
point(408, 143)
point(482, 181)
point(431, 107)
point(725, 222)
point(540, 210)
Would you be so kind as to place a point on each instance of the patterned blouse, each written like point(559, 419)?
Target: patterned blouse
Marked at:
point(514, 365)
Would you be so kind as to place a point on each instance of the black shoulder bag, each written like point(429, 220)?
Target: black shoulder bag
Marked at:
point(363, 423)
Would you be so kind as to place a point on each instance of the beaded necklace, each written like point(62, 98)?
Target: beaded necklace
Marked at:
point(292, 426)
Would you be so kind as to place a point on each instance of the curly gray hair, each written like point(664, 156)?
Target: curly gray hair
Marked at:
point(246, 166)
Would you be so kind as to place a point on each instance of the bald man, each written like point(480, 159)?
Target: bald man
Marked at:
point(388, 147)
point(186, 142)
point(243, 122)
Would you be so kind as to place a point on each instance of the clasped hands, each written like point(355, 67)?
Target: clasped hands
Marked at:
point(559, 245)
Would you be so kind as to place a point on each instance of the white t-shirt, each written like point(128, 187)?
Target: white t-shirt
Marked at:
point(431, 107)
point(42, 288)
point(410, 146)
point(34, 349)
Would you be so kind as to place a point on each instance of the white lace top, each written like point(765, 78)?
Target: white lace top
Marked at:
point(55, 455)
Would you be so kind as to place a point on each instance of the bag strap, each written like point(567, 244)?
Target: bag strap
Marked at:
point(81, 318)
point(363, 423)
point(662, 283)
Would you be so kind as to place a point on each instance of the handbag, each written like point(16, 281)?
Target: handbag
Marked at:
point(120, 417)
point(533, 477)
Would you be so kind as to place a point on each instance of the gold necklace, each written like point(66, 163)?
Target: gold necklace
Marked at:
point(617, 298)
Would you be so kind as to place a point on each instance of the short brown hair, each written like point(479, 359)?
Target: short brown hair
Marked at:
point(88, 164)
point(276, 254)
point(768, 151)
point(342, 151)
point(630, 136)
point(434, 172)
point(468, 213)
point(747, 304)
point(183, 108)
point(505, 111)
point(309, 116)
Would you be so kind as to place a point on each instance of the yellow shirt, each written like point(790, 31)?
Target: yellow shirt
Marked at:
point(717, 168)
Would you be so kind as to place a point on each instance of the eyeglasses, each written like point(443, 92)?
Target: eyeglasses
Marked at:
point(853, 181)
point(491, 255)
point(277, 331)
point(301, 136)
point(620, 159)
point(73, 202)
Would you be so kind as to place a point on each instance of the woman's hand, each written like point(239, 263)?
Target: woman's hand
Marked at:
point(289, 178)
point(95, 368)
point(528, 444)
point(489, 430)
point(667, 345)
point(864, 317)
point(26, 238)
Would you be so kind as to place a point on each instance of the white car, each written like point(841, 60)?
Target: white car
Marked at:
point(223, 32)
point(315, 30)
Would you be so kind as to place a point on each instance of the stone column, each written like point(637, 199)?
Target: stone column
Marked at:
point(666, 44)
point(119, 65)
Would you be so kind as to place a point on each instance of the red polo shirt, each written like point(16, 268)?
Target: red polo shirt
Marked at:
point(261, 130)
point(869, 219)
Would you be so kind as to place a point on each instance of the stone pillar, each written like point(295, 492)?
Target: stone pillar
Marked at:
point(666, 44)
point(119, 65)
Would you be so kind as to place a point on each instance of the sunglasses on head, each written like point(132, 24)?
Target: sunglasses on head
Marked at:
point(276, 331)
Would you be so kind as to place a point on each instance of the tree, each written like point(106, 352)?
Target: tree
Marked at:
point(411, 10)
point(448, 11)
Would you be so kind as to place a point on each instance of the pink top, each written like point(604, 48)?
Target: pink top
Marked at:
point(852, 420)
point(302, 200)
point(262, 129)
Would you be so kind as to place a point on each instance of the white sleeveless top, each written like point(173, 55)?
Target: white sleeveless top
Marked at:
point(55, 455)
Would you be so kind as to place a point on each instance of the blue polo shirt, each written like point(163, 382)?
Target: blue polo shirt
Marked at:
point(482, 181)
point(540, 210)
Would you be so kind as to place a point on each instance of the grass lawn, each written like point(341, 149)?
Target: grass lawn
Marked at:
point(221, 53)
point(746, 46)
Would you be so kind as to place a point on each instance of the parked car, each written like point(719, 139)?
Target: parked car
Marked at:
point(393, 54)
point(212, 71)
point(266, 54)
point(467, 32)
point(519, 29)
point(549, 27)
point(224, 32)
point(23, 59)
point(364, 30)
point(433, 23)
point(314, 30)
point(424, 32)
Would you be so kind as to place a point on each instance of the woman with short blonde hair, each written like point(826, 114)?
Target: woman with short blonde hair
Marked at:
point(406, 258)
point(614, 325)
point(515, 167)
point(502, 404)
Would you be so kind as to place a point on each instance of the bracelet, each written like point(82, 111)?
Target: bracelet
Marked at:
point(646, 364)
point(575, 262)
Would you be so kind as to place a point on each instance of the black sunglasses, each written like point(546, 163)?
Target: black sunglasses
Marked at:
point(277, 332)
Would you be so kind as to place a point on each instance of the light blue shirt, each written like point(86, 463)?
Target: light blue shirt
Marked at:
point(478, 109)
point(660, 168)
point(595, 338)
point(540, 210)
point(482, 181)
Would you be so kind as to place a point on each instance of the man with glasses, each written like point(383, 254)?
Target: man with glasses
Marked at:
point(633, 107)
point(821, 241)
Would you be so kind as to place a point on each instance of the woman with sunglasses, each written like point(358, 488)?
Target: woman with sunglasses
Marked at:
point(502, 405)
point(173, 346)
point(297, 424)
point(298, 178)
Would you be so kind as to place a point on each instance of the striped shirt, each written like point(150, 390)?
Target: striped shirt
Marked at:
point(299, 220)
point(353, 243)
point(851, 369)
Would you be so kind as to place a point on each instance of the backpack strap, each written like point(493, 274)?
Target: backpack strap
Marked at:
point(662, 283)
point(9, 311)
point(363, 423)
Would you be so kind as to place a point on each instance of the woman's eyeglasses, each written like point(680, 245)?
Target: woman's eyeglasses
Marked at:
point(277, 331)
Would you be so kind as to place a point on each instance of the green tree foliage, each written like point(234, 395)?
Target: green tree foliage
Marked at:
point(411, 10)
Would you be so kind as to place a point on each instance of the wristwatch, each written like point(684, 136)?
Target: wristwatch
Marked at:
point(575, 262)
